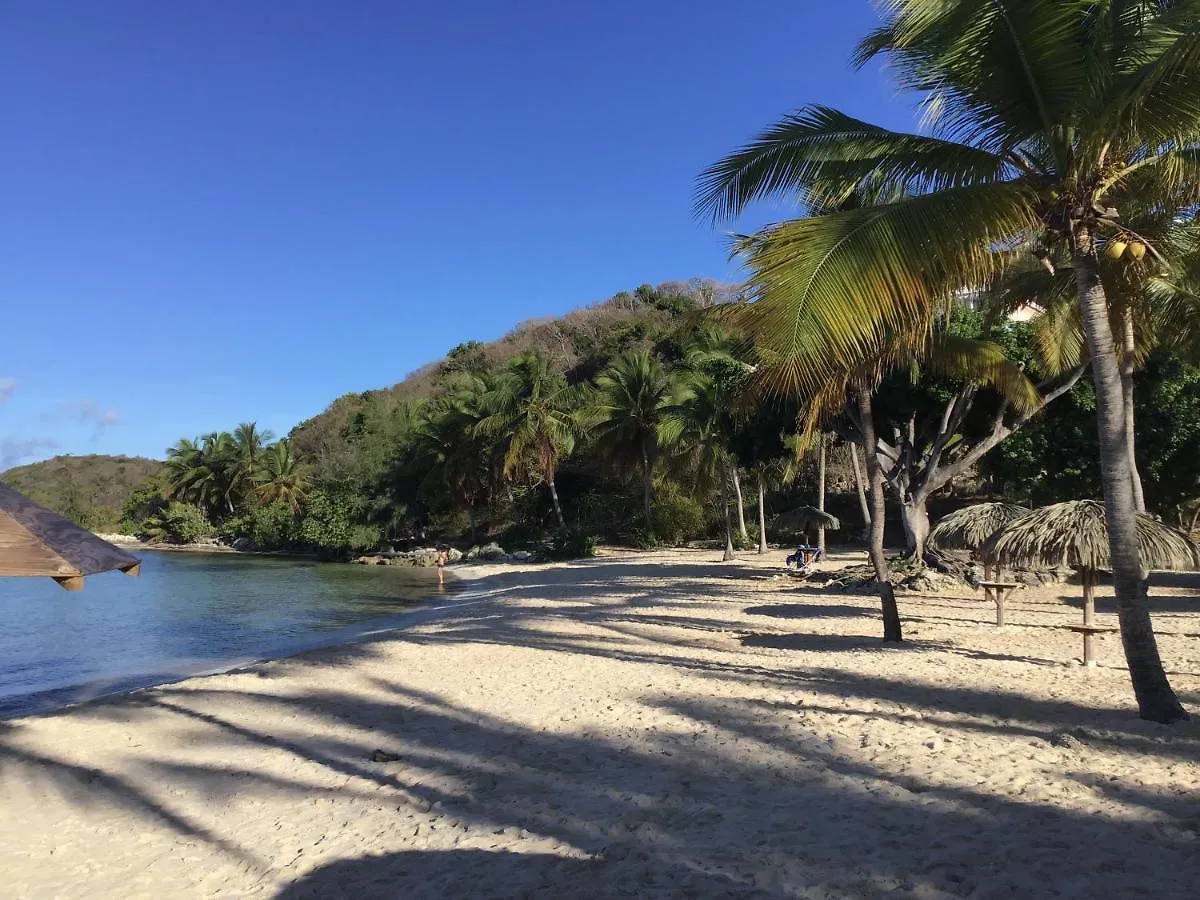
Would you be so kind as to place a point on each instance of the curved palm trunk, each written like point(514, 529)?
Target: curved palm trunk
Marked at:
point(762, 515)
point(562, 523)
point(741, 507)
point(728, 521)
point(1128, 349)
point(862, 491)
point(1156, 700)
point(821, 494)
point(892, 631)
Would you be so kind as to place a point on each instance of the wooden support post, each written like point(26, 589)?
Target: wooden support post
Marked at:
point(70, 582)
point(1088, 577)
point(1089, 649)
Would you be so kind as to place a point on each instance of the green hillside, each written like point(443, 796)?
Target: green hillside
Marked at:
point(90, 490)
point(579, 344)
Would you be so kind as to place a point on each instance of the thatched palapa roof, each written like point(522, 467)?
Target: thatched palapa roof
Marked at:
point(806, 518)
point(1075, 535)
point(969, 527)
point(35, 542)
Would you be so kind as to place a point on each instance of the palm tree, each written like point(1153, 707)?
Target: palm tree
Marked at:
point(450, 458)
point(282, 478)
point(248, 447)
point(630, 414)
point(1042, 112)
point(711, 351)
point(201, 472)
point(698, 429)
point(531, 412)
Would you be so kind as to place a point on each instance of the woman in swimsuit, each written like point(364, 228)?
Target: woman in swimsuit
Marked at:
point(441, 564)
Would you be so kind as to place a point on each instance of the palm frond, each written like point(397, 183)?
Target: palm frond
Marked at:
point(818, 154)
point(982, 363)
point(830, 290)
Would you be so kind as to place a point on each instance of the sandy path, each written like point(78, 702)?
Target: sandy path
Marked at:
point(651, 725)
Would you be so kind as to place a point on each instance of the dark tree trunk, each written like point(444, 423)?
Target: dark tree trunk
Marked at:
point(914, 513)
point(558, 513)
point(821, 493)
point(762, 516)
point(647, 482)
point(1156, 700)
point(1128, 349)
point(862, 491)
point(887, 595)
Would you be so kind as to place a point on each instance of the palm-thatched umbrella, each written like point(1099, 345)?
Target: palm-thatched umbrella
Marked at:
point(36, 542)
point(969, 527)
point(1075, 535)
point(806, 519)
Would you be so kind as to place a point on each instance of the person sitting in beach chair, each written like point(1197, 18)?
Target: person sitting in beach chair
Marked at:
point(805, 557)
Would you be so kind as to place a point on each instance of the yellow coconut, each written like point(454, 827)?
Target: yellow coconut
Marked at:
point(1137, 250)
point(1115, 249)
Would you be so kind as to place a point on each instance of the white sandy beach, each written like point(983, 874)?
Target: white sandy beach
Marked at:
point(643, 725)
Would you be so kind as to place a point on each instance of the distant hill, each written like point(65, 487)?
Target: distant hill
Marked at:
point(90, 490)
point(580, 344)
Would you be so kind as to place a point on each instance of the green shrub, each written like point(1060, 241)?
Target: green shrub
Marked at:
point(676, 517)
point(330, 524)
point(179, 523)
point(751, 541)
point(574, 546)
point(640, 539)
point(271, 527)
point(520, 536)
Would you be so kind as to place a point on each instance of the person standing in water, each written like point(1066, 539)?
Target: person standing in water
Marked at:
point(441, 565)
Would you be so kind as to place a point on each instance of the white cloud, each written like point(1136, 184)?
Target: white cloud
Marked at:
point(7, 386)
point(14, 451)
point(89, 412)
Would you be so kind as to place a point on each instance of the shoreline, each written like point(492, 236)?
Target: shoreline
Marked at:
point(56, 700)
point(640, 724)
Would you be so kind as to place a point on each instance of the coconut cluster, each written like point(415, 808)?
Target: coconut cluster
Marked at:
point(1117, 248)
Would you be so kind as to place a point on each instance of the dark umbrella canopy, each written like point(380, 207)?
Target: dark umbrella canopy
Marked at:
point(38, 543)
point(969, 527)
point(806, 518)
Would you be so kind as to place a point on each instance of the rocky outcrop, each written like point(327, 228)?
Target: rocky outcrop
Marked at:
point(421, 558)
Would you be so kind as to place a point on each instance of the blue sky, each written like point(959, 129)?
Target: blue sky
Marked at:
point(220, 211)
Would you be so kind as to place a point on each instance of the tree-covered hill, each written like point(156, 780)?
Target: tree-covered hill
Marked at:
point(91, 490)
point(579, 344)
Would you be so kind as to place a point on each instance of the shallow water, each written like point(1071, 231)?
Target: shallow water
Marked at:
point(186, 613)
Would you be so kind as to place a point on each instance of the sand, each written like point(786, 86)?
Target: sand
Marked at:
point(643, 725)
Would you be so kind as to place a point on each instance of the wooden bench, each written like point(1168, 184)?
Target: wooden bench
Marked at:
point(1089, 633)
point(998, 592)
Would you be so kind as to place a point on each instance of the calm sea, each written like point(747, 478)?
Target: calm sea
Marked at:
point(186, 613)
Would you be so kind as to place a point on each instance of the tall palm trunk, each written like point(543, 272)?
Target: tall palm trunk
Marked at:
point(562, 523)
point(762, 515)
point(728, 520)
point(858, 484)
point(647, 481)
point(1156, 700)
point(887, 595)
point(741, 507)
point(821, 494)
point(1128, 349)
